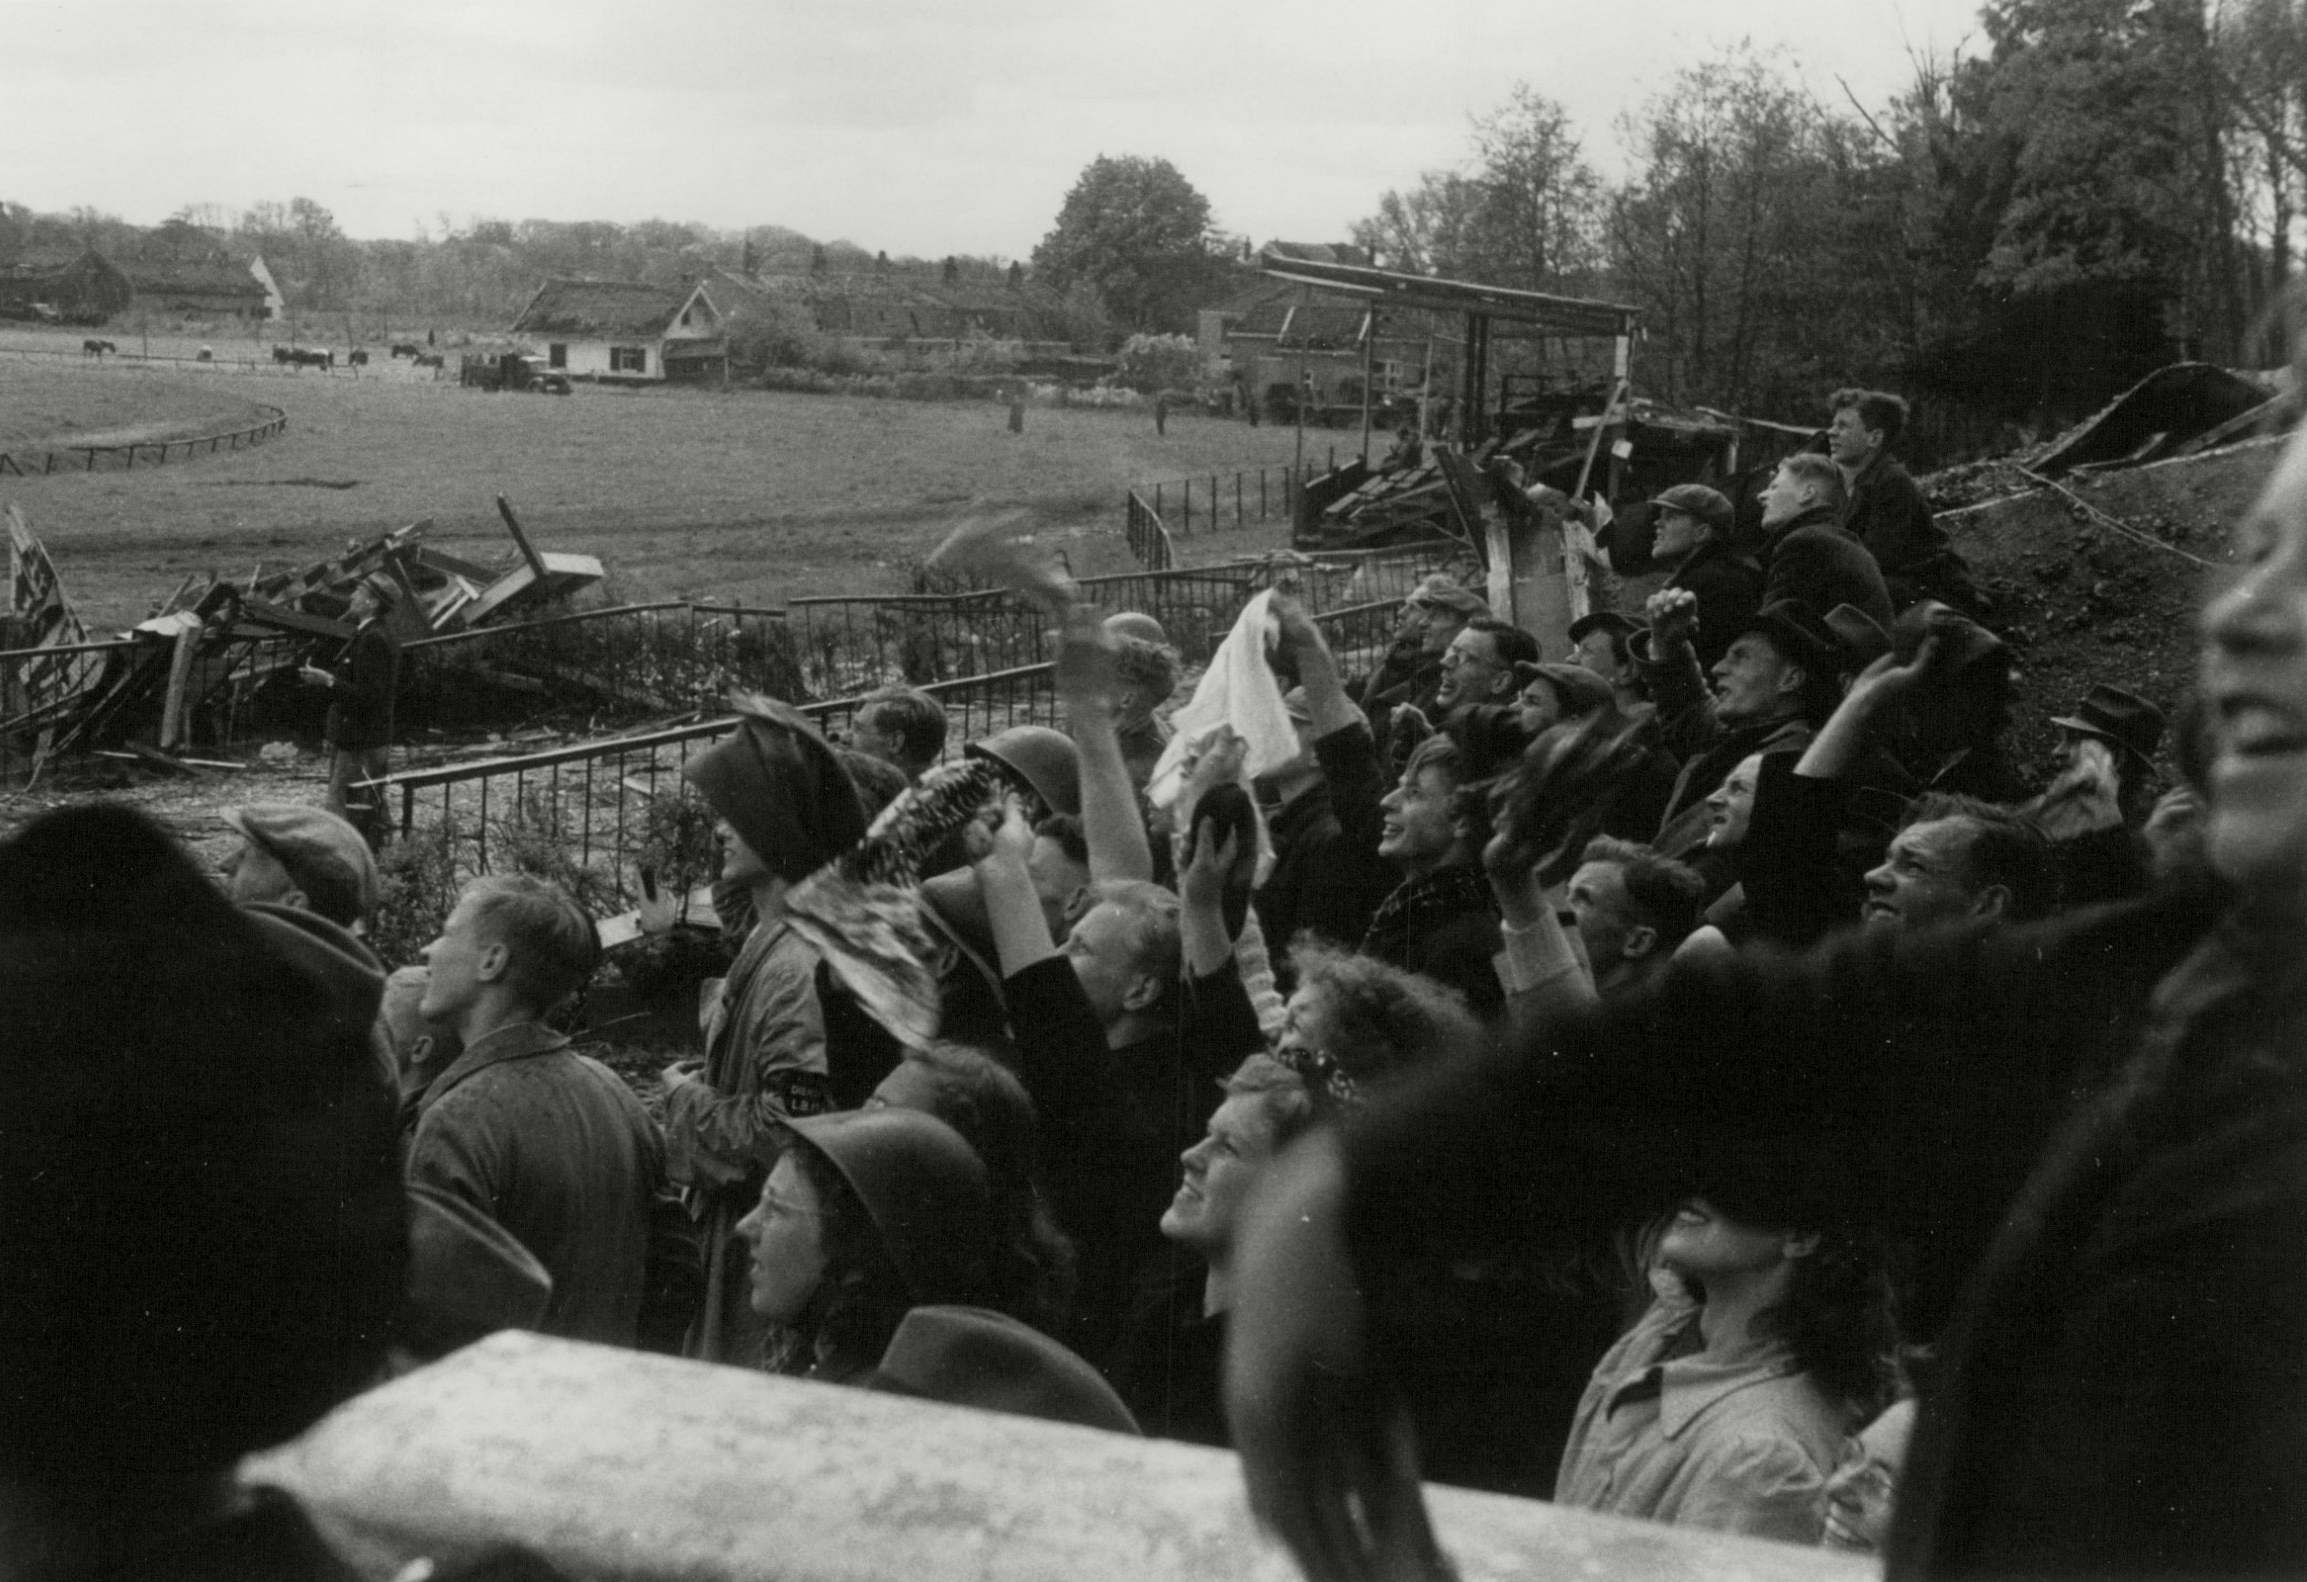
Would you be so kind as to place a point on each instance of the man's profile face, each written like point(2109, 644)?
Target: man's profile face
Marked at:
point(1924, 879)
point(453, 966)
point(253, 874)
point(1848, 440)
point(1679, 532)
point(1471, 670)
point(1598, 652)
point(1784, 498)
point(1420, 826)
point(868, 735)
point(1435, 625)
point(1747, 680)
point(1598, 901)
point(1098, 950)
point(1217, 1174)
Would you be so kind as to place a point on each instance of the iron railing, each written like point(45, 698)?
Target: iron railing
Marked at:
point(590, 798)
point(624, 663)
point(1218, 502)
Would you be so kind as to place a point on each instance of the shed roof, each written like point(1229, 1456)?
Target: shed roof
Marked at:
point(1385, 288)
point(601, 307)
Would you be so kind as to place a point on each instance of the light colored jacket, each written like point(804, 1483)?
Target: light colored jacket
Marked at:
point(1739, 1444)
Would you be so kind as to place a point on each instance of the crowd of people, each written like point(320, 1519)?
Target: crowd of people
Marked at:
point(1671, 1076)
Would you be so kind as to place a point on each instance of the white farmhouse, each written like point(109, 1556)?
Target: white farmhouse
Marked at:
point(623, 333)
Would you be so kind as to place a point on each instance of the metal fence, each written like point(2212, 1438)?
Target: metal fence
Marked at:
point(626, 662)
point(1150, 544)
point(1216, 502)
point(592, 798)
point(29, 464)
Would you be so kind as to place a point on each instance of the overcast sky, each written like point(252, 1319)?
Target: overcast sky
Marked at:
point(915, 126)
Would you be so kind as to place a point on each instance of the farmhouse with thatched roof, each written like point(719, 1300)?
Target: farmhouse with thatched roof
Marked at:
point(620, 332)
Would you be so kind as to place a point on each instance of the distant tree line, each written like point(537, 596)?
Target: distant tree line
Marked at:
point(479, 271)
point(2103, 186)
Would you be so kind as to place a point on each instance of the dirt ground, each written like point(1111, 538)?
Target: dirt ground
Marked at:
point(681, 492)
point(2083, 602)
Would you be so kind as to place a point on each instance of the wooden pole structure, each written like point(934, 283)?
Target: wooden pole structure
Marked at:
point(173, 725)
point(1369, 348)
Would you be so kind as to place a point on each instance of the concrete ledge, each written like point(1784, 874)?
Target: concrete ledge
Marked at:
point(617, 1465)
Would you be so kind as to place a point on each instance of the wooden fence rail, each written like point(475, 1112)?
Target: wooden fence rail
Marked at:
point(29, 464)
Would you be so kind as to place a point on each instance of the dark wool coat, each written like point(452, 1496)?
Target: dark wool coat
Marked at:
point(1815, 562)
point(1327, 875)
point(1885, 510)
point(555, 1148)
point(1727, 581)
point(360, 713)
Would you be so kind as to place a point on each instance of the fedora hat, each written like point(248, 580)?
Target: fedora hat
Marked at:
point(2123, 718)
point(971, 1356)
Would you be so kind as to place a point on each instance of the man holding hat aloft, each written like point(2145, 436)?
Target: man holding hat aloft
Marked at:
point(1780, 677)
point(786, 808)
point(360, 712)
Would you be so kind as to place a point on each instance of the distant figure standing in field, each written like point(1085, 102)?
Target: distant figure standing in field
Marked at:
point(360, 715)
point(1162, 413)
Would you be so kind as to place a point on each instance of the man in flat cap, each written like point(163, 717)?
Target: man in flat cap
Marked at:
point(360, 686)
point(302, 857)
point(786, 808)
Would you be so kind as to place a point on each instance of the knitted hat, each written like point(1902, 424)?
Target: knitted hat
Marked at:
point(782, 790)
point(970, 1356)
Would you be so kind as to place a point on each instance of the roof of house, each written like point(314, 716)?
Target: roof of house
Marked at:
point(607, 308)
point(205, 277)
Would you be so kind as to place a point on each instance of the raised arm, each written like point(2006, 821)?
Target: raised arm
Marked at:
point(1111, 823)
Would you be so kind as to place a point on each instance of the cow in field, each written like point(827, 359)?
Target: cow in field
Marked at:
point(427, 360)
point(307, 357)
point(406, 349)
point(356, 358)
point(284, 354)
point(96, 348)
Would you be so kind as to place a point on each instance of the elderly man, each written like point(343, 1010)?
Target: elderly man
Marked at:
point(361, 684)
point(1807, 557)
point(1884, 510)
point(544, 1141)
point(1779, 678)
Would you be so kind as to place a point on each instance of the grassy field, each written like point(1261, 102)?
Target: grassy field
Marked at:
point(680, 492)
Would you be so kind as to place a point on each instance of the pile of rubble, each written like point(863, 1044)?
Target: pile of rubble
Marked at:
point(212, 642)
